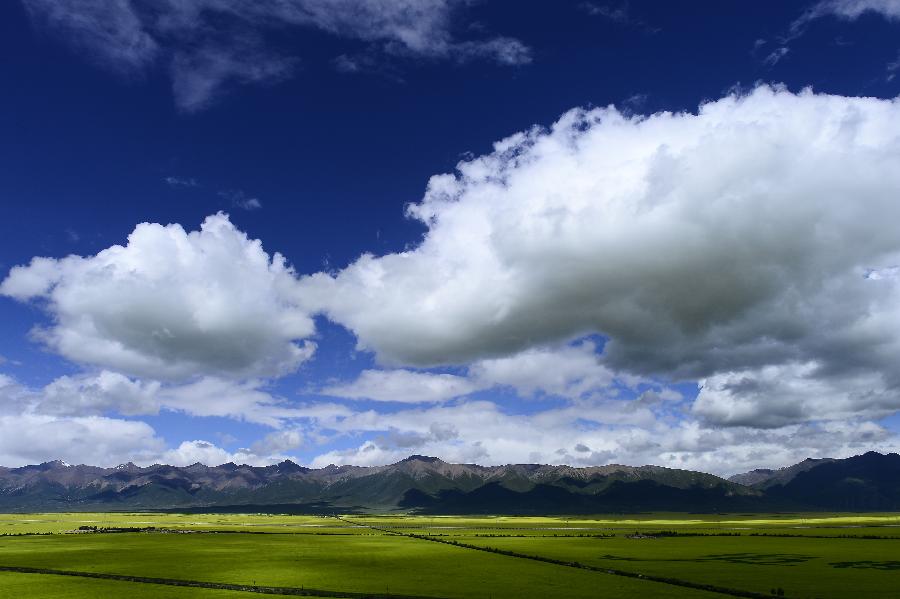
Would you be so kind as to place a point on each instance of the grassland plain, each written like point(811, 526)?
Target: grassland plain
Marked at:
point(806, 555)
point(39, 586)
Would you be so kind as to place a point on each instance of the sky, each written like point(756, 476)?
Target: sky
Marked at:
point(492, 231)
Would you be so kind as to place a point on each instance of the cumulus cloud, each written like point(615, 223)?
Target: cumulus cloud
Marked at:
point(208, 44)
point(278, 442)
point(29, 435)
point(402, 386)
point(210, 454)
point(240, 400)
point(80, 395)
point(68, 420)
point(777, 395)
point(97, 394)
point(569, 371)
point(106, 393)
point(479, 430)
point(699, 243)
point(171, 304)
point(95, 440)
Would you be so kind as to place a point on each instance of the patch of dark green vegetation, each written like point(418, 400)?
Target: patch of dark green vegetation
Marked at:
point(757, 559)
point(749, 559)
point(868, 565)
point(199, 584)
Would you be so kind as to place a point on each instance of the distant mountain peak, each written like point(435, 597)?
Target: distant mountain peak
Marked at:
point(421, 458)
point(51, 465)
point(763, 478)
point(289, 466)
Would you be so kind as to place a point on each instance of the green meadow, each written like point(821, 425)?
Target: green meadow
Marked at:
point(657, 555)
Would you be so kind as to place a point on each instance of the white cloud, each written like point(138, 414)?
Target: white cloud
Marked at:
point(777, 395)
point(97, 394)
point(30, 436)
point(65, 420)
point(878, 274)
point(483, 433)
point(241, 400)
point(95, 440)
point(107, 392)
point(172, 305)
point(239, 199)
point(208, 44)
point(852, 9)
point(847, 10)
point(210, 454)
point(730, 239)
point(402, 386)
point(481, 430)
point(568, 371)
point(35, 280)
point(584, 432)
point(278, 442)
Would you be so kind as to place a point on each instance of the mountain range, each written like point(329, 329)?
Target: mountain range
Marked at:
point(429, 485)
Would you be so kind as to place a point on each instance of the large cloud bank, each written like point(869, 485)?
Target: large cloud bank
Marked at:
point(759, 231)
point(171, 304)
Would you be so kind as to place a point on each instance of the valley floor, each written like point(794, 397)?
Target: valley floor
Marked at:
point(659, 555)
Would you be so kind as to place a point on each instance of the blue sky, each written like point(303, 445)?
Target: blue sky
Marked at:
point(490, 231)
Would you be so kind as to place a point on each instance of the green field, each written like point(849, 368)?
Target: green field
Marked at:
point(804, 555)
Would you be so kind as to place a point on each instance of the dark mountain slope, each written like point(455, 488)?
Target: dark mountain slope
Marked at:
point(869, 482)
point(763, 477)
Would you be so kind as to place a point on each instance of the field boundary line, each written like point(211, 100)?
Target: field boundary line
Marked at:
point(578, 565)
point(222, 586)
